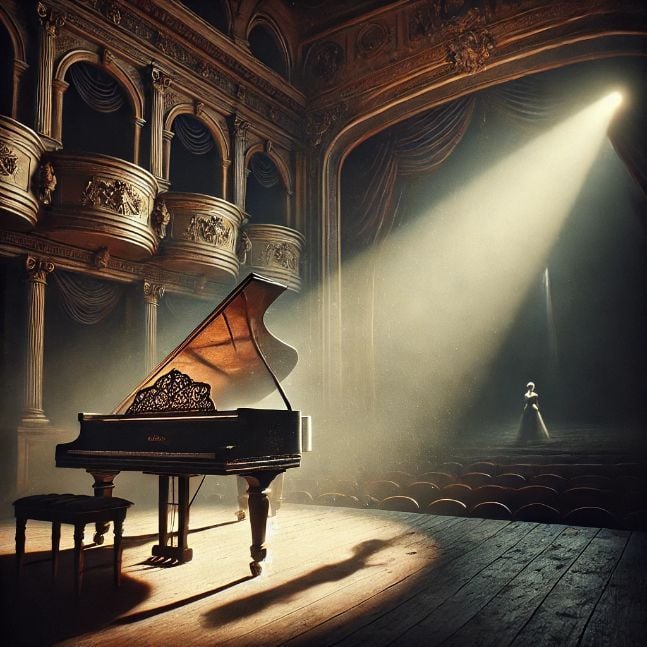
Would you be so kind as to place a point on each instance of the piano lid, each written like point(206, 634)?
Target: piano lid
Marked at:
point(231, 351)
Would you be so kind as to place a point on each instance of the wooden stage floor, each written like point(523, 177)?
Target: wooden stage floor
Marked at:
point(337, 576)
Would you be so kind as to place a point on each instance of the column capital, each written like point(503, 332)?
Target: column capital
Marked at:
point(38, 268)
point(153, 292)
point(51, 19)
point(238, 126)
point(161, 81)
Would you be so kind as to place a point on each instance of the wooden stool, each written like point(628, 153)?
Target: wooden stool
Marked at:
point(75, 509)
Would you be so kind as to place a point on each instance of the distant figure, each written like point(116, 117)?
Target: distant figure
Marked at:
point(532, 427)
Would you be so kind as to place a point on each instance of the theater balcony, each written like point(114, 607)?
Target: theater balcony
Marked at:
point(20, 152)
point(273, 251)
point(100, 201)
point(199, 235)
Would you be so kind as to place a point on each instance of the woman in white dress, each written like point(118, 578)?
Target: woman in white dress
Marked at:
point(532, 427)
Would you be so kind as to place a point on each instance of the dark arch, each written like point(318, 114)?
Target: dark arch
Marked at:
point(100, 123)
point(7, 58)
point(215, 12)
point(196, 164)
point(266, 46)
point(266, 195)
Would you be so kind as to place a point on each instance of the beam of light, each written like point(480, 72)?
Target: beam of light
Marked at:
point(448, 287)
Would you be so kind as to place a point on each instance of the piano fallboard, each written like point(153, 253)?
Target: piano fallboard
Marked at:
point(223, 442)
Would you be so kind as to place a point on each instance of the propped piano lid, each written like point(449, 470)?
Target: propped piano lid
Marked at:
point(223, 351)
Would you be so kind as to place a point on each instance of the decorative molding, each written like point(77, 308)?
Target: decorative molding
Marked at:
point(47, 183)
point(114, 195)
point(283, 254)
point(324, 60)
point(370, 39)
point(470, 47)
point(320, 123)
point(9, 166)
point(160, 218)
point(101, 258)
point(210, 229)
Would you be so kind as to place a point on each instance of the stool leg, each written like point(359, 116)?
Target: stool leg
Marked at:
point(21, 524)
point(118, 525)
point(56, 538)
point(78, 556)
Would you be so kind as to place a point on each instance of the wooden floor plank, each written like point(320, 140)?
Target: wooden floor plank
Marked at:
point(620, 617)
point(498, 622)
point(365, 617)
point(334, 576)
point(562, 616)
point(454, 611)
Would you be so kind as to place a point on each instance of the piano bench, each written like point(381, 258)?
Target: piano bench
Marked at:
point(77, 510)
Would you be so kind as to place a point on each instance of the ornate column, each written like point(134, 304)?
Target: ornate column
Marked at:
point(19, 68)
point(226, 165)
point(161, 83)
point(59, 88)
point(137, 135)
point(37, 271)
point(167, 138)
point(239, 128)
point(51, 21)
point(153, 292)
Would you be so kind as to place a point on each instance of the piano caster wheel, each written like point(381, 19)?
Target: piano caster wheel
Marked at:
point(255, 568)
point(240, 515)
point(98, 539)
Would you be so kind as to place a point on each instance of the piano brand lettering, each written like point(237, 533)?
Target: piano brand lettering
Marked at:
point(156, 438)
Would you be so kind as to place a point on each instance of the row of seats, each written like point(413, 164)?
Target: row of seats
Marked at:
point(587, 515)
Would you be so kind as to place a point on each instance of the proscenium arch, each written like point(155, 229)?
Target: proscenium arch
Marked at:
point(217, 134)
point(113, 69)
point(268, 23)
point(327, 207)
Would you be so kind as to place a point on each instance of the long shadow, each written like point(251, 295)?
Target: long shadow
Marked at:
point(132, 541)
point(36, 611)
point(257, 602)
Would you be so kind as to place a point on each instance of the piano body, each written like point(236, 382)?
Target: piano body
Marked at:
point(169, 424)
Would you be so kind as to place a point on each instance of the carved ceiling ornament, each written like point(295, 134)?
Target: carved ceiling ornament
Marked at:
point(112, 12)
point(325, 60)
point(283, 254)
point(101, 258)
point(318, 124)
point(470, 47)
point(114, 195)
point(370, 39)
point(210, 229)
point(8, 161)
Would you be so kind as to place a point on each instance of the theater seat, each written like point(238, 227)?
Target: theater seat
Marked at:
point(400, 504)
point(539, 512)
point(591, 516)
point(449, 507)
point(491, 510)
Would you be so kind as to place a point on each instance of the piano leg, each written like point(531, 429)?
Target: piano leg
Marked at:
point(182, 553)
point(103, 486)
point(258, 504)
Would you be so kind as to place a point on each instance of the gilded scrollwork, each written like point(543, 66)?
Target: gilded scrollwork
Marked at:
point(283, 254)
point(115, 195)
point(319, 123)
point(9, 166)
point(47, 182)
point(471, 45)
point(210, 229)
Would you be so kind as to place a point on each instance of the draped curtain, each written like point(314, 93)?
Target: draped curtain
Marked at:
point(264, 170)
point(193, 135)
point(86, 300)
point(99, 90)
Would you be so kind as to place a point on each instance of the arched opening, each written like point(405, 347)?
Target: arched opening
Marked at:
point(494, 265)
point(266, 196)
point(7, 57)
point(215, 12)
point(97, 113)
point(195, 165)
point(265, 46)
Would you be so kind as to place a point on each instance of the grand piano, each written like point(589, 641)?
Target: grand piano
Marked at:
point(170, 426)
